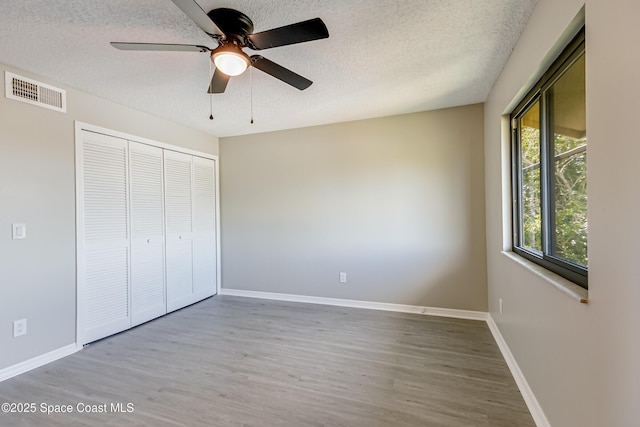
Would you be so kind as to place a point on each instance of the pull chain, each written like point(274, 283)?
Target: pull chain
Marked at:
point(210, 94)
point(251, 90)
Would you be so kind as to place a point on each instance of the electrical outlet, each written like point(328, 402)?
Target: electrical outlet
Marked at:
point(500, 305)
point(343, 277)
point(19, 327)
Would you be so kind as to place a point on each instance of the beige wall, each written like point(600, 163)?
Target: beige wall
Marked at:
point(37, 275)
point(396, 202)
point(582, 361)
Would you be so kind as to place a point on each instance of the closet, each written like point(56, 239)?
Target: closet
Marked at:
point(146, 231)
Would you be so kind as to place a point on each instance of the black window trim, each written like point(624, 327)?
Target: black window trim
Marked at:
point(573, 272)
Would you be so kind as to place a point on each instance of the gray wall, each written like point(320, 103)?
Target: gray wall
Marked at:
point(582, 361)
point(37, 275)
point(396, 202)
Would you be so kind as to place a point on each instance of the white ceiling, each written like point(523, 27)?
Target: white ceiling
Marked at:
point(383, 57)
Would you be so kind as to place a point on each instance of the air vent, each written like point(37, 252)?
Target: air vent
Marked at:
point(36, 93)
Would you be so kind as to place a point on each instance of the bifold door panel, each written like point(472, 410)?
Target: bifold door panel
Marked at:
point(104, 304)
point(147, 232)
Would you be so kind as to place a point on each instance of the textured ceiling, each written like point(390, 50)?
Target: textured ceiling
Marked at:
point(383, 57)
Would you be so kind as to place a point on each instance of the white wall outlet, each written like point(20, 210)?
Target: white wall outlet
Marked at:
point(19, 231)
point(19, 327)
point(500, 305)
point(343, 277)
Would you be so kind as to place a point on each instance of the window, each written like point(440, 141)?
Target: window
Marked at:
point(549, 176)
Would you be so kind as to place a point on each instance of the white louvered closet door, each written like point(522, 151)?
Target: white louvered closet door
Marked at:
point(147, 233)
point(179, 226)
point(204, 228)
point(103, 240)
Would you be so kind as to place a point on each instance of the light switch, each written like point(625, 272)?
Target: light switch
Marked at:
point(19, 231)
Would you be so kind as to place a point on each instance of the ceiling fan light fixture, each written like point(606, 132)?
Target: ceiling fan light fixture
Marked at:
point(230, 59)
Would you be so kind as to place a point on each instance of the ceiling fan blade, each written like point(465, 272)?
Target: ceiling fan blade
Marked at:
point(197, 15)
point(218, 82)
point(160, 47)
point(305, 31)
point(279, 72)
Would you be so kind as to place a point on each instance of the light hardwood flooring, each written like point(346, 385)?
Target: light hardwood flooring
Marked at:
point(232, 361)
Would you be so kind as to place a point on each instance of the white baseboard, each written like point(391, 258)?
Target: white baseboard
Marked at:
point(430, 311)
point(527, 394)
point(37, 361)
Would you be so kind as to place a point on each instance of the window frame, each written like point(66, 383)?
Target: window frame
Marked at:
point(540, 93)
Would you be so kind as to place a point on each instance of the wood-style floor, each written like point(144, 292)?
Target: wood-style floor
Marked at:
point(231, 361)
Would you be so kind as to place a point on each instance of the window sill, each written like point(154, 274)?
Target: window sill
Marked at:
point(567, 287)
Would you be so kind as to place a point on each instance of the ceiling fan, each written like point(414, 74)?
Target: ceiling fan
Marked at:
point(233, 31)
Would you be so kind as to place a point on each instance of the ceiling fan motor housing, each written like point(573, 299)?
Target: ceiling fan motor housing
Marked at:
point(235, 25)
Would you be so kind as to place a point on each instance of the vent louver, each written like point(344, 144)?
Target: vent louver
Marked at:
point(36, 93)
